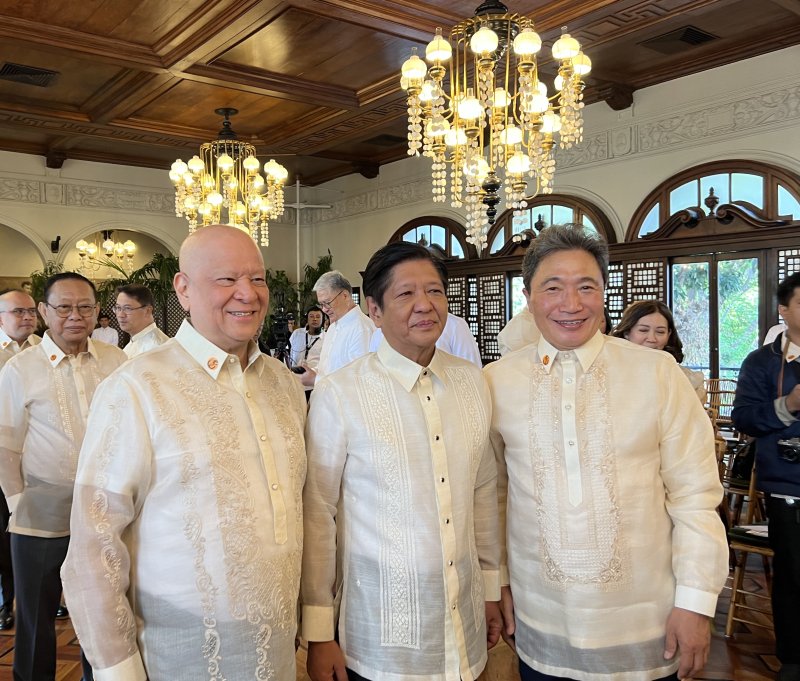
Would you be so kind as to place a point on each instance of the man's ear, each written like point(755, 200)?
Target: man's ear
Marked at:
point(181, 285)
point(374, 310)
point(42, 310)
point(527, 294)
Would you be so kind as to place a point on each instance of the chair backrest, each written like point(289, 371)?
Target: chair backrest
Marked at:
point(752, 499)
point(721, 392)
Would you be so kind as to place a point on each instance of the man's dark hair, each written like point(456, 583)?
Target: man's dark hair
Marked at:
point(568, 237)
point(786, 289)
point(139, 292)
point(103, 315)
point(379, 269)
point(64, 276)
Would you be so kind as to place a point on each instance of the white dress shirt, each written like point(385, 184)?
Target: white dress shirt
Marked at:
point(106, 335)
point(184, 562)
point(399, 466)
point(773, 332)
point(456, 339)
point(148, 338)
point(44, 403)
point(306, 347)
point(9, 347)
point(345, 340)
point(606, 463)
point(520, 331)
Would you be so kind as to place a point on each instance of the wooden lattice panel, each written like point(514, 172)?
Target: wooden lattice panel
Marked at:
point(455, 295)
point(174, 316)
point(492, 314)
point(644, 280)
point(615, 291)
point(788, 262)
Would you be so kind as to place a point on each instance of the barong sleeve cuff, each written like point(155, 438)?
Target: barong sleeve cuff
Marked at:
point(318, 623)
point(491, 585)
point(505, 579)
point(12, 502)
point(130, 669)
point(695, 600)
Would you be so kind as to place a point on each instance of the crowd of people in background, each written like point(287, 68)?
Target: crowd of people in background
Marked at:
point(201, 516)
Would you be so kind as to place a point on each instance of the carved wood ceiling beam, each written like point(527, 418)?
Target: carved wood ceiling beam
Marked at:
point(109, 50)
point(273, 85)
point(126, 94)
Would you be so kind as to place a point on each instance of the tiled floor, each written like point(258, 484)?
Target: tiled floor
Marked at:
point(746, 657)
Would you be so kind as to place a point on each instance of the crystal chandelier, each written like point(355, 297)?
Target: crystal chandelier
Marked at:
point(88, 251)
point(223, 184)
point(494, 124)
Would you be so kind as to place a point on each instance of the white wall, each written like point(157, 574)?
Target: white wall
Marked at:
point(745, 110)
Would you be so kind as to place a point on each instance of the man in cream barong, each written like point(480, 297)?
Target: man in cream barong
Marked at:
point(608, 487)
point(400, 469)
point(187, 519)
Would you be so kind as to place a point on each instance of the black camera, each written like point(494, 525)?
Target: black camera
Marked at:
point(789, 450)
point(298, 370)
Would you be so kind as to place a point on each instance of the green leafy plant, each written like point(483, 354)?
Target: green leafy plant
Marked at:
point(39, 278)
point(307, 297)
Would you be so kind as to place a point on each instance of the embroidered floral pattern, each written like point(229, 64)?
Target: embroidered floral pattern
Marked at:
point(399, 587)
point(580, 545)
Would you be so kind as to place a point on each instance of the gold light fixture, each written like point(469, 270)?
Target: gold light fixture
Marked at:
point(494, 124)
point(89, 250)
point(223, 185)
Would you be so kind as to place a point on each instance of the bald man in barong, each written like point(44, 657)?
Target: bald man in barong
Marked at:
point(187, 517)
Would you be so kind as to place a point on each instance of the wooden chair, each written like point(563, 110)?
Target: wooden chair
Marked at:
point(748, 606)
point(721, 392)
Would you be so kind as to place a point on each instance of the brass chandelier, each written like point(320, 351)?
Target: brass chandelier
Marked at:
point(223, 185)
point(494, 124)
point(89, 250)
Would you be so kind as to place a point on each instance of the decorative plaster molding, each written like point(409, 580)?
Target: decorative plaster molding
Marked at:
point(23, 191)
point(86, 196)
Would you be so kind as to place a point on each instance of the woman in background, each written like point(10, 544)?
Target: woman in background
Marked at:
point(650, 323)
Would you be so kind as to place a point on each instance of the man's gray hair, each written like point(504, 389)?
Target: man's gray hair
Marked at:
point(333, 281)
point(567, 237)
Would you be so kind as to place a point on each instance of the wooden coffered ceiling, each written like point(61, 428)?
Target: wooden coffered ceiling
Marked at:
point(315, 81)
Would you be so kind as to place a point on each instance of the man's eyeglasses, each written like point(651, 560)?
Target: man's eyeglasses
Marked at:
point(20, 312)
point(327, 305)
point(127, 309)
point(65, 311)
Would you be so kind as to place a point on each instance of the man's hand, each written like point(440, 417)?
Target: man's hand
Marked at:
point(308, 377)
point(690, 632)
point(507, 611)
point(494, 623)
point(793, 399)
point(326, 661)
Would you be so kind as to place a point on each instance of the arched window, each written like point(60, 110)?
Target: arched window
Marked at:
point(765, 191)
point(543, 211)
point(440, 232)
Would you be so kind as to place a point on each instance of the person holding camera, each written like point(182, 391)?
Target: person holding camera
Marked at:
point(767, 406)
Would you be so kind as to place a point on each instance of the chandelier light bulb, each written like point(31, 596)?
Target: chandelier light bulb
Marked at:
point(469, 108)
point(91, 250)
point(438, 49)
point(179, 167)
point(527, 43)
point(484, 42)
point(130, 247)
point(195, 165)
point(511, 135)
point(535, 103)
point(108, 246)
point(476, 168)
point(558, 82)
point(430, 91)
point(276, 171)
point(414, 68)
point(541, 86)
point(455, 136)
point(215, 199)
point(566, 47)
point(251, 164)
point(551, 122)
point(258, 182)
point(581, 64)
point(500, 98)
point(519, 163)
point(82, 246)
point(225, 163)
